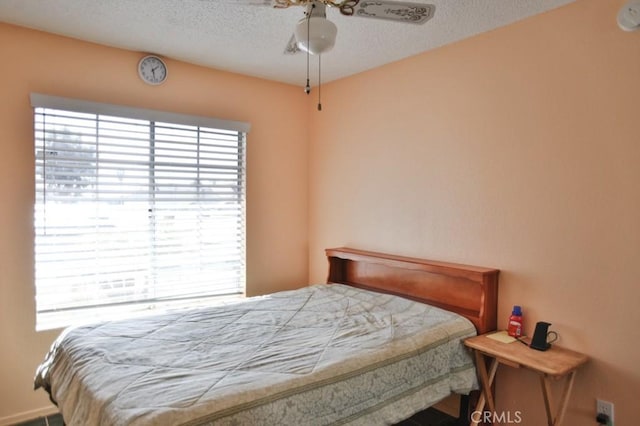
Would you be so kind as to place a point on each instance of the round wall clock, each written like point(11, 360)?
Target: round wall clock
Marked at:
point(152, 70)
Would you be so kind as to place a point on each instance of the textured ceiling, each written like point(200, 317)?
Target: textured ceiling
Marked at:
point(238, 36)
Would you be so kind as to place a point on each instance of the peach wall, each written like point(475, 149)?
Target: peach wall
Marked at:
point(518, 149)
point(277, 174)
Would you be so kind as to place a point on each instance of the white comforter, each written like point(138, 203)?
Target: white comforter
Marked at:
point(325, 354)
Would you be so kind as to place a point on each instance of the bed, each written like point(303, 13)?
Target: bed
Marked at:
point(347, 352)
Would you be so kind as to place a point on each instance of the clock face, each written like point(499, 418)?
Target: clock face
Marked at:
point(152, 70)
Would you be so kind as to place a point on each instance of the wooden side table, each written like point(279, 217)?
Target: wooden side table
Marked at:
point(554, 363)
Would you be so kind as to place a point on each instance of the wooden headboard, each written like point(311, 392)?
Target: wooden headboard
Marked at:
point(470, 291)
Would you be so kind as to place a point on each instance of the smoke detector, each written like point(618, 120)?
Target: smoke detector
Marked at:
point(629, 16)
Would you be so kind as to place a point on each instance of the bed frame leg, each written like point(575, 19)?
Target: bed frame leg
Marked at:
point(463, 412)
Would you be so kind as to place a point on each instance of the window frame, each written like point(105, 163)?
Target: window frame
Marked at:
point(72, 315)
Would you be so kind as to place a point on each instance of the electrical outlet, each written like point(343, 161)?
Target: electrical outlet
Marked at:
point(605, 407)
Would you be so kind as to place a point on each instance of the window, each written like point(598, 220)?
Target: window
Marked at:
point(135, 210)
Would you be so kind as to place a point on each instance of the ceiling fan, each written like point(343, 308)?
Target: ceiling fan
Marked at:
point(315, 34)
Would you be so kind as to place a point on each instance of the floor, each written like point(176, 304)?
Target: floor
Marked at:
point(430, 417)
point(45, 421)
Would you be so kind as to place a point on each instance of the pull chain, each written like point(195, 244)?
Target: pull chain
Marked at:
point(307, 88)
point(319, 81)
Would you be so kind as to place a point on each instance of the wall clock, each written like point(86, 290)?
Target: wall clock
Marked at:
point(152, 70)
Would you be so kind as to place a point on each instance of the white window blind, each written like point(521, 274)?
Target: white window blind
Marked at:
point(134, 213)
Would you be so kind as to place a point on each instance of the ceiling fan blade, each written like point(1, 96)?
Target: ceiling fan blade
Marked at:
point(399, 11)
point(250, 2)
point(292, 46)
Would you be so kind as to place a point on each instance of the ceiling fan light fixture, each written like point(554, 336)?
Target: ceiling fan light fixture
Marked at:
point(315, 35)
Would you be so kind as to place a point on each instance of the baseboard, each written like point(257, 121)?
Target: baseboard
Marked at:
point(28, 415)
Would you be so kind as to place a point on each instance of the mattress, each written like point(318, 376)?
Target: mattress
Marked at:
point(323, 354)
